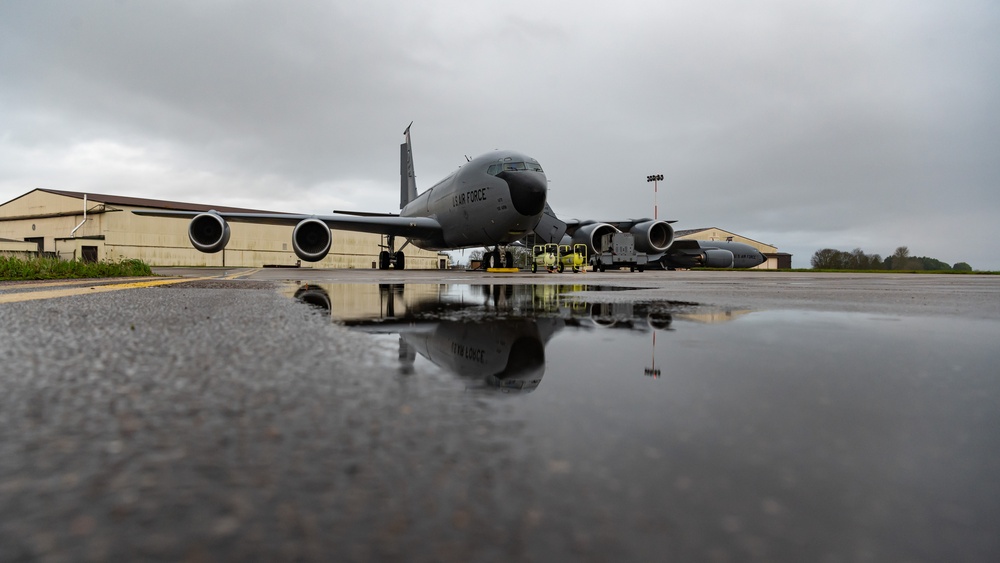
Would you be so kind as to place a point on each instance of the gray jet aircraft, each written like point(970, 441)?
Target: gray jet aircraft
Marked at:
point(690, 253)
point(653, 237)
point(491, 201)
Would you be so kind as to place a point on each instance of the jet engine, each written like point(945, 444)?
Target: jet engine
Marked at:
point(314, 295)
point(208, 232)
point(717, 258)
point(311, 239)
point(652, 237)
point(591, 235)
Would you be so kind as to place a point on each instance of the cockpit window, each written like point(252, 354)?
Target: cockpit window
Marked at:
point(495, 169)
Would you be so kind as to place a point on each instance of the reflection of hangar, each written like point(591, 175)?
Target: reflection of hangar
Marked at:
point(53, 221)
point(775, 260)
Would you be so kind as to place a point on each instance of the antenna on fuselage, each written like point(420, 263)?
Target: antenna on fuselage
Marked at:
point(407, 179)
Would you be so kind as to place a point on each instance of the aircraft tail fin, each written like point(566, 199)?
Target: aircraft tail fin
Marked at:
point(407, 180)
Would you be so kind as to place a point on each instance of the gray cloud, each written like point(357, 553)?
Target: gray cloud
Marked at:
point(827, 124)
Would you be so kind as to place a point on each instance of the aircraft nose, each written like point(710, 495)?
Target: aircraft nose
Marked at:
point(527, 190)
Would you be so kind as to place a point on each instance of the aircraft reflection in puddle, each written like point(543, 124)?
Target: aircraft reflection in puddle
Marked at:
point(495, 334)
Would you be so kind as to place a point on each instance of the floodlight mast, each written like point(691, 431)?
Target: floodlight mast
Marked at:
point(654, 178)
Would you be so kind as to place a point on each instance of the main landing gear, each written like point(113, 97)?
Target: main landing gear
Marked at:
point(391, 257)
point(497, 259)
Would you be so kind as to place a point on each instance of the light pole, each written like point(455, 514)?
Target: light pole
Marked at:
point(654, 178)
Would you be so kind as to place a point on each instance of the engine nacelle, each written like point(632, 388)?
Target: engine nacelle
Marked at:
point(652, 237)
point(717, 258)
point(591, 235)
point(314, 295)
point(311, 240)
point(208, 232)
point(660, 321)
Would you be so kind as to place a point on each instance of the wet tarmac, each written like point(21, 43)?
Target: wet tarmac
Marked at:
point(624, 418)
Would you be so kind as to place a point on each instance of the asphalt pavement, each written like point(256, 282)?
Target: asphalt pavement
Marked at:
point(221, 420)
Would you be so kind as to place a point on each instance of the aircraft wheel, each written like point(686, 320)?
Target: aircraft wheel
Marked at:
point(641, 268)
point(400, 262)
point(631, 268)
point(509, 257)
point(601, 267)
point(383, 260)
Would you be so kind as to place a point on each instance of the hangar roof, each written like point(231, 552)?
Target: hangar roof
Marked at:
point(692, 232)
point(689, 232)
point(152, 203)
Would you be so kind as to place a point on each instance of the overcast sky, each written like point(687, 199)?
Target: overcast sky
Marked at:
point(802, 124)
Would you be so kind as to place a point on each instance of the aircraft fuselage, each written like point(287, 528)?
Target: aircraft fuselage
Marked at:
point(494, 199)
point(711, 254)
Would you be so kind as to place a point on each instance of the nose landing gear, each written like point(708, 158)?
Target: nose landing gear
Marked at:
point(390, 257)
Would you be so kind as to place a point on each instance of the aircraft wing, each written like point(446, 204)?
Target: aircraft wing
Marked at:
point(552, 229)
point(651, 236)
point(624, 225)
point(407, 227)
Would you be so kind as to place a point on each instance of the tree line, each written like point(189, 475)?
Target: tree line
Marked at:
point(832, 259)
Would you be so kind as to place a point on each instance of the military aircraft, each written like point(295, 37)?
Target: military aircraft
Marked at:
point(651, 236)
point(691, 253)
point(655, 238)
point(491, 201)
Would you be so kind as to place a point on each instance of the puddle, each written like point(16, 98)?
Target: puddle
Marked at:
point(512, 334)
point(801, 427)
point(493, 335)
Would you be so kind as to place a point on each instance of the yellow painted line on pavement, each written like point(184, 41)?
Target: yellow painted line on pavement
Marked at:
point(54, 293)
point(242, 274)
point(64, 282)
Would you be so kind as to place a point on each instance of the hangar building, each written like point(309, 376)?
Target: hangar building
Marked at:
point(54, 222)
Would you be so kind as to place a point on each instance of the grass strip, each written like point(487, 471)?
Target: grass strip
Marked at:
point(13, 268)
